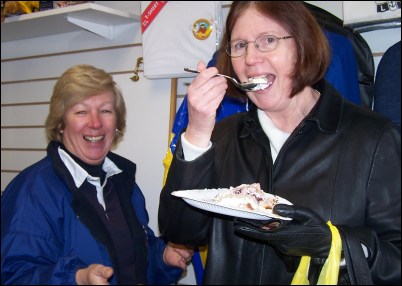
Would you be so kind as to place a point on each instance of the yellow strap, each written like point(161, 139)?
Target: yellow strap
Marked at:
point(330, 270)
point(301, 275)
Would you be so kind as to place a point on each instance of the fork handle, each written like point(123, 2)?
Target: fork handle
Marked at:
point(195, 71)
point(191, 70)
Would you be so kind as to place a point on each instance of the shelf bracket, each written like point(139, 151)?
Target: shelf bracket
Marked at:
point(99, 29)
point(137, 69)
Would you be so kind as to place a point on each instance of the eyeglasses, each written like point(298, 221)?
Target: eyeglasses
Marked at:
point(264, 43)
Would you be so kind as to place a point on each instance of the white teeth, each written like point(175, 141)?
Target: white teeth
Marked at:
point(93, 139)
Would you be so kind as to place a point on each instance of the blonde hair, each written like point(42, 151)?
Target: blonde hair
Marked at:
point(74, 86)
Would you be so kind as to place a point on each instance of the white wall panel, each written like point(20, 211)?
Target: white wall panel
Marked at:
point(381, 40)
point(146, 137)
point(24, 115)
point(122, 59)
point(23, 138)
point(19, 160)
point(124, 34)
point(6, 179)
point(26, 92)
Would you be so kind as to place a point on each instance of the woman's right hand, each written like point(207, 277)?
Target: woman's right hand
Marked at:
point(204, 95)
point(94, 274)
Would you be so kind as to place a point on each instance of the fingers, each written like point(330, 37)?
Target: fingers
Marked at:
point(307, 216)
point(284, 210)
point(300, 214)
point(107, 272)
point(204, 96)
point(94, 274)
point(188, 260)
point(182, 250)
point(206, 92)
point(201, 66)
point(206, 80)
point(206, 83)
point(178, 255)
point(184, 262)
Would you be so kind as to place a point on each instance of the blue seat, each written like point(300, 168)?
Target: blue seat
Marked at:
point(387, 84)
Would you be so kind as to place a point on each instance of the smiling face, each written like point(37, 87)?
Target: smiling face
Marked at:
point(278, 64)
point(90, 127)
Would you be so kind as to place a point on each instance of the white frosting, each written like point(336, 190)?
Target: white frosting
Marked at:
point(261, 86)
point(247, 197)
point(258, 79)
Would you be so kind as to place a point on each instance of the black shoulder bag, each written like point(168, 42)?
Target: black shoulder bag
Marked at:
point(356, 262)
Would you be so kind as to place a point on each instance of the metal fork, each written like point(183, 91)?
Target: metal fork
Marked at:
point(246, 86)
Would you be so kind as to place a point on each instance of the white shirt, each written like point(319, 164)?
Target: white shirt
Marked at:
point(276, 137)
point(80, 175)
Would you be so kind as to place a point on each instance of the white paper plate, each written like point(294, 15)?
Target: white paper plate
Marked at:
point(203, 199)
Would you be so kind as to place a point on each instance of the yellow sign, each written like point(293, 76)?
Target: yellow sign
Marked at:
point(202, 28)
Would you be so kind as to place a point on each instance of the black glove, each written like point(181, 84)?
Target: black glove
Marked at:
point(306, 235)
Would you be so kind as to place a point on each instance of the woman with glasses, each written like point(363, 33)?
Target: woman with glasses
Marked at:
point(335, 161)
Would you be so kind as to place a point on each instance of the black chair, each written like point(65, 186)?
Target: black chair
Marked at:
point(387, 84)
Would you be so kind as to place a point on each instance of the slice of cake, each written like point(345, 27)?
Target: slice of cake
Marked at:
point(247, 197)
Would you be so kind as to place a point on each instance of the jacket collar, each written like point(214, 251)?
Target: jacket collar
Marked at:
point(328, 110)
point(80, 175)
point(326, 113)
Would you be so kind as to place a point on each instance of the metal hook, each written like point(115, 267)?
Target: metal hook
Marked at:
point(137, 69)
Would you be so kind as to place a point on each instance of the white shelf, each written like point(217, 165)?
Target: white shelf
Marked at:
point(95, 18)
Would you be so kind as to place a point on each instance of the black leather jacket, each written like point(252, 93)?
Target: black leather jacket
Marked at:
point(342, 161)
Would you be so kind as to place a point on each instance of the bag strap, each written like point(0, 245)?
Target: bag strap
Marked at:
point(356, 262)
